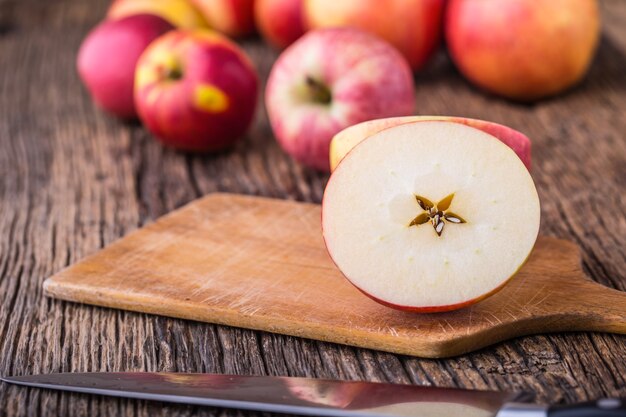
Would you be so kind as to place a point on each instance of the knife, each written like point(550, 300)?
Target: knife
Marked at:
point(316, 397)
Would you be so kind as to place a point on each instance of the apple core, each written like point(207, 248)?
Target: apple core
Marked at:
point(437, 214)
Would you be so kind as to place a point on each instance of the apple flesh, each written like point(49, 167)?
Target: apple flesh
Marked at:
point(195, 90)
point(412, 26)
point(179, 13)
point(331, 79)
point(523, 49)
point(234, 18)
point(348, 138)
point(430, 216)
point(108, 56)
point(281, 22)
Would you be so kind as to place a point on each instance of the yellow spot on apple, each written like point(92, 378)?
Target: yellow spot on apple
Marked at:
point(209, 98)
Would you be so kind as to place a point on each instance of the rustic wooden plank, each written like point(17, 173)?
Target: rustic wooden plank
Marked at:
point(73, 180)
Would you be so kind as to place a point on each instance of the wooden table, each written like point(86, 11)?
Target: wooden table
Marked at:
point(73, 180)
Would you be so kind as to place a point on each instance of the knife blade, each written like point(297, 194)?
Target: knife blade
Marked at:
point(305, 396)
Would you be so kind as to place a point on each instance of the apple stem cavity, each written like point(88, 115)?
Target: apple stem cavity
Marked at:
point(436, 213)
point(319, 92)
point(173, 74)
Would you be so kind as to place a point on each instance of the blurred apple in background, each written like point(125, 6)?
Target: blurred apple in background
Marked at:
point(328, 80)
point(412, 26)
point(108, 56)
point(523, 49)
point(195, 90)
point(234, 18)
point(179, 13)
point(280, 22)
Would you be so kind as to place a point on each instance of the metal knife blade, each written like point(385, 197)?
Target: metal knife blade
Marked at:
point(280, 394)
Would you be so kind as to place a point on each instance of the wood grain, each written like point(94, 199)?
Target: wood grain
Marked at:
point(261, 264)
point(73, 180)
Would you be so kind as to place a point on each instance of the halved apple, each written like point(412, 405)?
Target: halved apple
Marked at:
point(430, 216)
point(349, 137)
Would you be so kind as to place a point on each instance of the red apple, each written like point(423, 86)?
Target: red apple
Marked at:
point(430, 216)
point(195, 90)
point(523, 49)
point(344, 141)
point(180, 13)
point(233, 18)
point(412, 26)
point(280, 21)
point(108, 56)
point(328, 80)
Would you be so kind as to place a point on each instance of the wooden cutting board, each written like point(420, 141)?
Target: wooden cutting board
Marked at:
point(261, 264)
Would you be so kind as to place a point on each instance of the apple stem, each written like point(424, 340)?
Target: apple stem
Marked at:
point(319, 92)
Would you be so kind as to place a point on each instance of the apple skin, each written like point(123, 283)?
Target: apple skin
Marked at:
point(412, 26)
point(522, 49)
point(373, 80)
point(108, 56)
point(348, 138)
point(179, 13)
point(195, 90)
point(280, 22)
point(234, 18)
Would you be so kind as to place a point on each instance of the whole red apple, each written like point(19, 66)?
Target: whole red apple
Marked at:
point(108, 56)
point(280, 22)
point(523, 49)
point(234, 18)
point(195, 90)
point(330, 79)
point(412, 26)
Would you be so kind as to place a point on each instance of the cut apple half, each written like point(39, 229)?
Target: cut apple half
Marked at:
point(430, 216)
